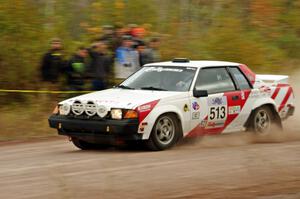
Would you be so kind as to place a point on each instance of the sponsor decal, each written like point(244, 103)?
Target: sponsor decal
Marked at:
point(254, 94)
point(216, 101)
point(186, 108)
point(195, 115)
point(234, 110)
point(216, 124)
point(161, 69)
point(195, 106)
point(144, 108)
point(265, 89)
point(203, 123)
point(107, 101)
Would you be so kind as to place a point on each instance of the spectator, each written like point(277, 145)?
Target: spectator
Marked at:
point(153, 50)
point(119, 33)
point(127, 59)
point(138, 36)
point(130, 28)
point(108, 36)
point(76, 69)
point(144, 55)
point(53, 63)
point(100, 67)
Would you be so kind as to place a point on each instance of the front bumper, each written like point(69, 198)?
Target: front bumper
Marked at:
point(105, 130)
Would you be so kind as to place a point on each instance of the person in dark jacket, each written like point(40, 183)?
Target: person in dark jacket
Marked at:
point(144, 55)
point(76, 69)
point(100, 66)
point(53, 63)
point(153, 50)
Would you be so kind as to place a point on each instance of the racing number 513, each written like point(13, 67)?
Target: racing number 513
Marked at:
point(217, 112)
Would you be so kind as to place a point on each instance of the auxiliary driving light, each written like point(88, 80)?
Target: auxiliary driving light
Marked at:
point(77, 107)
point(90, 108)
point(102, 111)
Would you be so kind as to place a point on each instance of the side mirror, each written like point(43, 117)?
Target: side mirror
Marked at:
point(200, 93)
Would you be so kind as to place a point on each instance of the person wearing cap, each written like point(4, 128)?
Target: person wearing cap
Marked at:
point(53, 63)
point(127, 59)
point(138, 34)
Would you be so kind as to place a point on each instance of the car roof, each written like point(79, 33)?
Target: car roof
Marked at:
point(197, 64)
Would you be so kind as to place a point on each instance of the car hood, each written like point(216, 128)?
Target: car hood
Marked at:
point(124, 98)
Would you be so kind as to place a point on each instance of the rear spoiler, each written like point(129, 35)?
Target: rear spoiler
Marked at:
point(273, 78)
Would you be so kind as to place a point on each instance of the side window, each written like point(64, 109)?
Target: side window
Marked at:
point(240, 78)
point(214, 80)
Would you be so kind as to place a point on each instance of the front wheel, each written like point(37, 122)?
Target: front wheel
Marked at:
point(165, 133)
point(83, 145)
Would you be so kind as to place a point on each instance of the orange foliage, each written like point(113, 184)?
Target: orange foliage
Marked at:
point(264, 13)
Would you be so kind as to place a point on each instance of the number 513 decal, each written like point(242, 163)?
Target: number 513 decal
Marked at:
point(217, 112)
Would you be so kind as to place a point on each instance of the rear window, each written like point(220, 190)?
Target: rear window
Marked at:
point(240, 78)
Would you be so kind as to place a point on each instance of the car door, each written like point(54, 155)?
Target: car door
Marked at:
point(239, 112)
point(212, 114)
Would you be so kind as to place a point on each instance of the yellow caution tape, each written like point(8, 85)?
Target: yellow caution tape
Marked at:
point(42, 91)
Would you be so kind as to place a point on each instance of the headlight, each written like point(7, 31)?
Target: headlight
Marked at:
point(64, 109)
point(116, 114)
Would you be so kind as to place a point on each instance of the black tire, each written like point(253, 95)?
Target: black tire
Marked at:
point(266, 125)
point(165, 133)
point(83, 145)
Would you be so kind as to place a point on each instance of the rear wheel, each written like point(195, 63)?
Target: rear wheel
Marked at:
point(266, 125)
point(262, 121)
point(165, 133)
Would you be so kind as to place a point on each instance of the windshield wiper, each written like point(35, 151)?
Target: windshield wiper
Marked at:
point(124, 87)
point(153, 88)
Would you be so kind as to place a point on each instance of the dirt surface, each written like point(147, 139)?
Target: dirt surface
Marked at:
point(198, 169)
point(225, 166)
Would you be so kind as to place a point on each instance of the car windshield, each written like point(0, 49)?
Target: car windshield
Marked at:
point(161, 78)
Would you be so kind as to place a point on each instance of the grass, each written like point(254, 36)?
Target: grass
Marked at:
point(24, 121)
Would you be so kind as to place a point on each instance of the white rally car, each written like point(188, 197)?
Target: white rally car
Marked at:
point(164, 102)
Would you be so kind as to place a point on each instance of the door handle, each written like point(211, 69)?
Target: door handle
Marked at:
point(235, 97)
